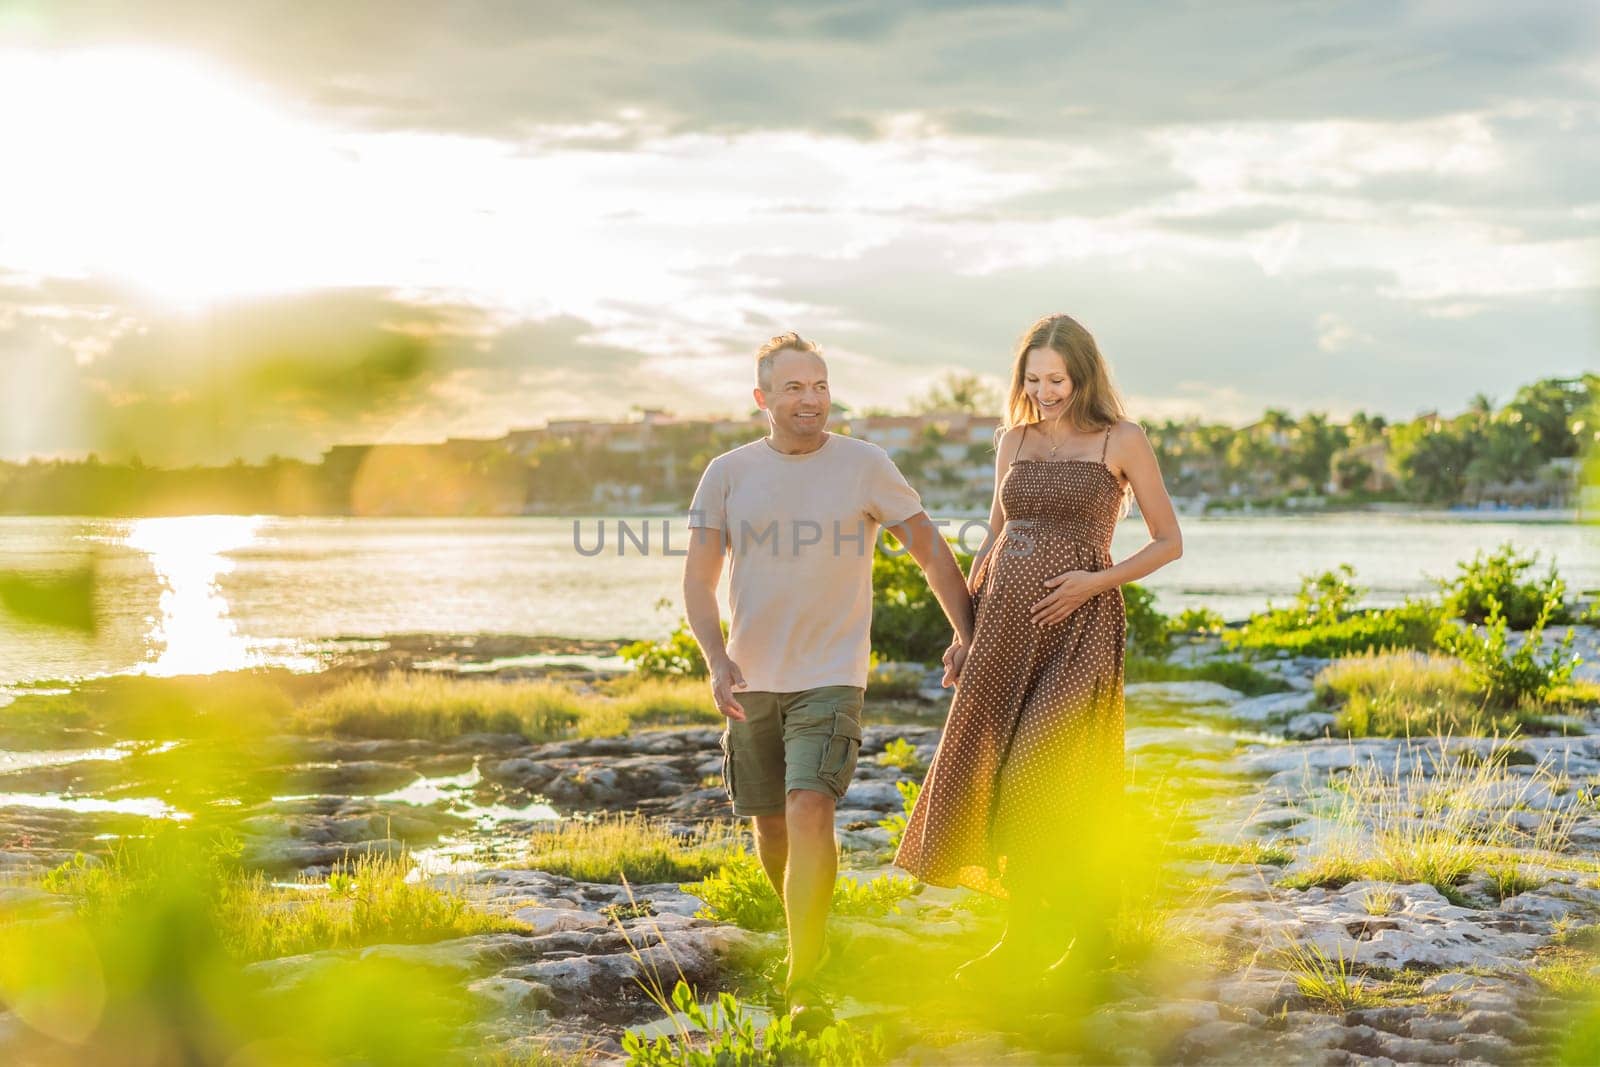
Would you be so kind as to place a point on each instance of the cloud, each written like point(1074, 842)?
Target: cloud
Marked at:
point(424, 226)
point(1018, 69)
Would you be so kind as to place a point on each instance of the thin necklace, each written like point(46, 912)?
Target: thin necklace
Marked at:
point(1048, 437)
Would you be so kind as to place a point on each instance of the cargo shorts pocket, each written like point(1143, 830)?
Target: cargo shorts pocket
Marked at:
point(839, 755)
point(727, 764)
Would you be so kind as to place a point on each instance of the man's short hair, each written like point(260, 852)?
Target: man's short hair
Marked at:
point(768, 353)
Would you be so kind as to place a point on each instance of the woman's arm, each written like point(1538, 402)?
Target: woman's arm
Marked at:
point(1129, 450)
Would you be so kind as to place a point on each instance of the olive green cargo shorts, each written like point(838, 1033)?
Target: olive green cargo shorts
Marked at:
point(804, 740)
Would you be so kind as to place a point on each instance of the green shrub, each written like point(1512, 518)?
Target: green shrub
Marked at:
point(1510, 678)
point(740, 893)
point(1498, 577)
point(1147, 627)
point(1317, 632)
point(678, 656)
point(879, 896)
point(908, 626)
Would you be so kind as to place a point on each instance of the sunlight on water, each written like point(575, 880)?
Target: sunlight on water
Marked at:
point(60, 757)
point(147, 806)
point(194, 633)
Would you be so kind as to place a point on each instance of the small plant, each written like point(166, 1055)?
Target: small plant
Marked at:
point(1508, 879)
point(632, 909)
point(902, 754)
point(880, 896)
point(1244, 853)
point(1380, 901)
point(1410, 694)
point(896, 824)
point(740, 893)
point(1200, 621)
point(1430, 819)
point(723, 1034)
point(1332, 983)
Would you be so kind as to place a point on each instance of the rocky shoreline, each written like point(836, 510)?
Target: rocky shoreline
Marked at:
point(1419, 975)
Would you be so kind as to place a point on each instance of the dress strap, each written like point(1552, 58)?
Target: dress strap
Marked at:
point(1021, 439)
point(1103, 445)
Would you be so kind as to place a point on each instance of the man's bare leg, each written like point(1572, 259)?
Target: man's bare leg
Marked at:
point(772, 845)
point(813, 866)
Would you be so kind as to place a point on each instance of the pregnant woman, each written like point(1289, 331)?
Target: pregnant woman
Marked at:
point(1024, 794)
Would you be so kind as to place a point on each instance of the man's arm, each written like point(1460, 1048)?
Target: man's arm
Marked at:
point(702, 572)
point(932, 553)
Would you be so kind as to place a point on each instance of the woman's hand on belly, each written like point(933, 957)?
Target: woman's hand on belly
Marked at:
point(1068, 592)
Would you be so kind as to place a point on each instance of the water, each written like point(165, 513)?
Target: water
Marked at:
point(208, 593)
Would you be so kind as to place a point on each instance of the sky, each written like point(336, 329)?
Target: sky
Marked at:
point(251, 228)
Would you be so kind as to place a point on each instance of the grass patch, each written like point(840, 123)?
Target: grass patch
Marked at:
point(1566, 973)
point(1506, 880)
point(439, 707)
point(365, 900)
point(1235, 675)
point(1330, 983)
point(632, 847)
point(1380, 901)
point(1239, 853)
point(1410, 694)
point(1429, 818)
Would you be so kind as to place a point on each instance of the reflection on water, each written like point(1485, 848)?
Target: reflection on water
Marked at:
point(60, 757)
point(454, 792)
point(194, 633)
point(147, 806)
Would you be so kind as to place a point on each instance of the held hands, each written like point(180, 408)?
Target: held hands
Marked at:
point(955, 657)
point(725, 678)
point(1069, 592)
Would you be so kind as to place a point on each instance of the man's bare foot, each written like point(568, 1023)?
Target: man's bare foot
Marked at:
point(808, 1007)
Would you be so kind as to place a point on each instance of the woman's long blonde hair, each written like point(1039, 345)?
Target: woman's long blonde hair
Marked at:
point(1095, 403)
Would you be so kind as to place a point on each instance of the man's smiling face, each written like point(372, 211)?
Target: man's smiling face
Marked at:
point(798, 399)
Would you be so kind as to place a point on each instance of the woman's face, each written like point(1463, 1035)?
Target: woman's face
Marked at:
point(1045, 380)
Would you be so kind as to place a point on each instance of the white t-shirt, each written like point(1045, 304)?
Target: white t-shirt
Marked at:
point(803, 529)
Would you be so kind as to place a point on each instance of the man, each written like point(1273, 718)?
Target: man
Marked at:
point(797, 513)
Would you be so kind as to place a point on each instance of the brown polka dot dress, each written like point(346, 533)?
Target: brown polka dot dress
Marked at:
point(1034, 742)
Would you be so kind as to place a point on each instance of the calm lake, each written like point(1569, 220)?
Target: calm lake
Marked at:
point(207, 593)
